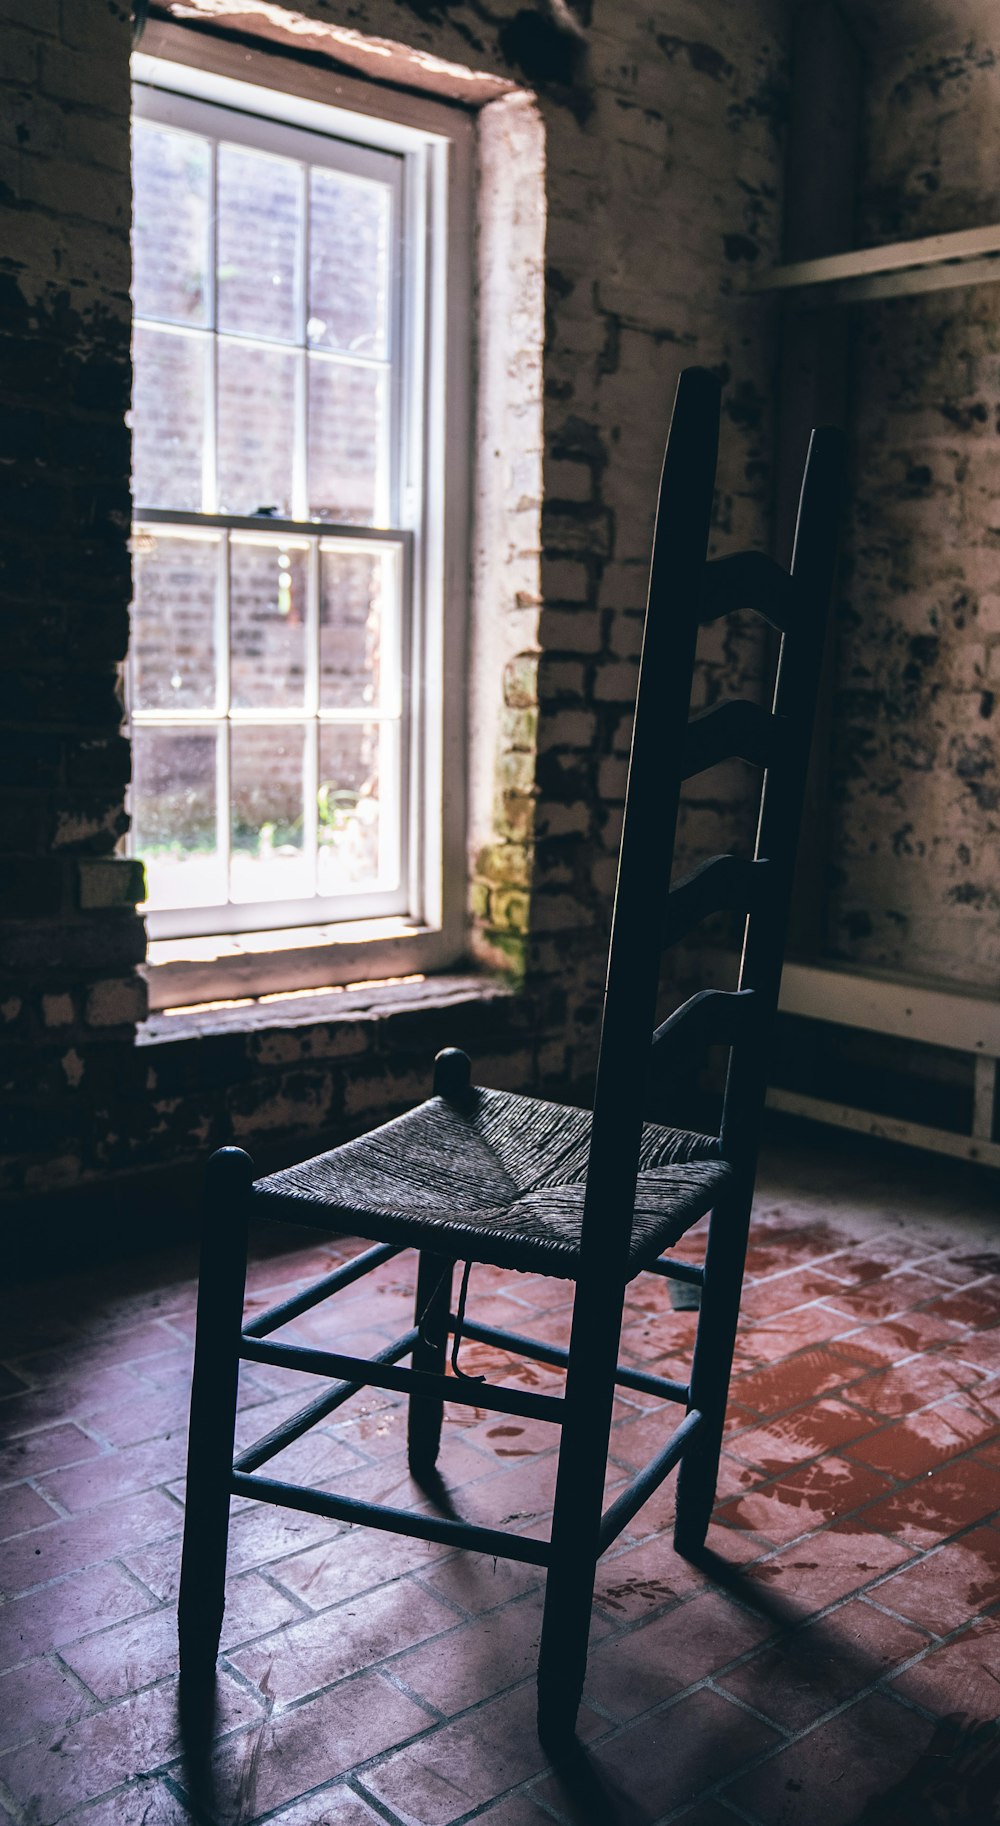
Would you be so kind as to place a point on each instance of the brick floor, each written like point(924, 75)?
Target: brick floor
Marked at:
point(835, 1662)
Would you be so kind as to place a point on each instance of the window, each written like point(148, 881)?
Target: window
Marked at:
point(294, 296)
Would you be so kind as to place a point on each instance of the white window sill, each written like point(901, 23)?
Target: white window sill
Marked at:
point(232, 969)
point(362, 1001)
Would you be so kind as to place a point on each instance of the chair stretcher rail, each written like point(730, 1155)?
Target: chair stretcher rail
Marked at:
point(649, 1479)
point(309, 1416)
point(551, 1353)
point(368, 1371)
point(290, 1309)
point(394, 1521)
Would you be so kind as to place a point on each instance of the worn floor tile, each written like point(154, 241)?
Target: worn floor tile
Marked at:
point(951, 1585)
point(835, 1775)
point(479, 1756)
point(67, 1767)
point(662, 1761)
point(662, 1656)
point(941, 1503)
point(801, 1500)
point(960, 1676)
point(816, 1427)
point(824, 1567)
point(924, 1440)
point(813, 1669)
point(313, 1653)
point(291, 1752)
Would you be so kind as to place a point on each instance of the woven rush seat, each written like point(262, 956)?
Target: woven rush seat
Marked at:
point(497, 1178)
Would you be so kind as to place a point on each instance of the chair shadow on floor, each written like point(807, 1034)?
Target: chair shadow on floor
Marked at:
point(955, 1781)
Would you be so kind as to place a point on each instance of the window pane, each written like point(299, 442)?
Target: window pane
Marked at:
point(168, 412)
point(267, 792)
point(357, 609)
point(349, 226)
point(259, 241)
point(173, 622)
point(172, 177)
point(354, 825)
point(346, 443)
point(267, 624)
point(174, 816)
point(256, 429)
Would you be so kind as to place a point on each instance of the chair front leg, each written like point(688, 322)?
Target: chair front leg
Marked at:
point(711, 1369)
point(576, 1515)
point(432, 1310)
point(214, 1387)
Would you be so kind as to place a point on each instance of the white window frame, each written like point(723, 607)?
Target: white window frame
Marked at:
point(425, 929)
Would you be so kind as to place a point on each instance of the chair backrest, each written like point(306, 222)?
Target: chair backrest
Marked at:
point(667, 748)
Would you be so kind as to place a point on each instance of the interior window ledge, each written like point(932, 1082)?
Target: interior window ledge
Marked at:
point(308, 1007)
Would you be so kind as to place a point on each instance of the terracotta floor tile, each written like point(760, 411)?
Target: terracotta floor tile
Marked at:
point(962, 1265)
point(475, 1759)
point(115, 1475)
point(34, 1453)
point(311, 1654)
point(783, 1292)
point(871, 1261)
point(644, 1578)
point(912, 1385)
point(37, 1698)
point(804, 1499)
point(21, 1508)
point(518, 1810)
point(815, 1668)
point(923, 1440)
point(123, 1659)
point(353, 1562)
point(962, 1675)
point(831, 1776)
point(291, 1752)
point(70, 1546)
point(951, 1586)
point(981, 1349)
point(649, 1664)
point(975, 1307)
point(336, 1806)
point(479, 1583)
point(63, 1612)
point(99, 1752)
point(662, 1761)
point(796, 1379)
point(895, 1293)
point(885, 1344)
point(478, 1659)
point(819, 1426)
point(777, 1336)
point(41, 1407)
point(939, 1504)
point(831, 1565)
point(146, 1802)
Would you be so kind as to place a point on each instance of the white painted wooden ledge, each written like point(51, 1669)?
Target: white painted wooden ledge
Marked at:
point(962, 1020)
point(969, 256)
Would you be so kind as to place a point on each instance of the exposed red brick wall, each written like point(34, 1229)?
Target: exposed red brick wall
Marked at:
point(663, 155)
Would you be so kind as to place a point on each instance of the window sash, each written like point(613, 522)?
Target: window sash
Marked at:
point(396, 526)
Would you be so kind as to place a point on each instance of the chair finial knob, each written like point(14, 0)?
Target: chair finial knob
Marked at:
point(452, 1074)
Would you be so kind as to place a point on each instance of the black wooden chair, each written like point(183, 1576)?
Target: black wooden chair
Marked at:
point(478, 1175)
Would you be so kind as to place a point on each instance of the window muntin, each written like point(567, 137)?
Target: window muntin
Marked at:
point(274, 401)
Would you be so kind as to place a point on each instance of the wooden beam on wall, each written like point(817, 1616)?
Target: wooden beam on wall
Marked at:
point(821, 176)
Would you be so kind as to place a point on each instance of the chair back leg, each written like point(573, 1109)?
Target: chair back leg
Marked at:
point(214, 1389)
point(728, 1231)
point(432, 1311)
